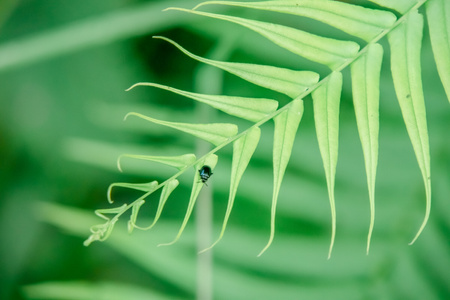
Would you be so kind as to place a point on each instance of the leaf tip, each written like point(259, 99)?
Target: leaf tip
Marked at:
point(212, 246)
point(166, 244)
point(157, 37)
point(427, 213)
point(108, 193)
point(118, 163)
point(369, 237)
point(206, 249)
point(266, 247)
point(415, 238)
point(130, 226)
point(418, 233)
point(175, 8)
point(131, 114)
point(330, 250)
point(201, 4)
point(132, 87)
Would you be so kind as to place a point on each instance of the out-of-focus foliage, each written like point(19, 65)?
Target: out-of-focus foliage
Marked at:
point(62, 102)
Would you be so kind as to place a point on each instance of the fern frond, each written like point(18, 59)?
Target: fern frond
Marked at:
point(286, 125)
point(103, 231)
point(366, 89)
point(282, 80)
point(252, 109)
point(326, 101)
point(438, 15)
point(355, 20)
point(179, 162)
point(326, 51)
point(243, 149)
point(404, 35)
point(216, 134)
point(145, 187)
point(211, 161)
point(406, 42)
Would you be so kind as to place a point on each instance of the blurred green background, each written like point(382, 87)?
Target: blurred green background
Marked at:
point(64, 68)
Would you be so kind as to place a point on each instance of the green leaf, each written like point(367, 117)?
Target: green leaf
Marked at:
point(326, 115)
point(438, 15)
point(102, 231)
point(167, 190)
point(286, 124)
point(145, 187)
point(214, 133)
point(330, 52)
point(289, 82)
point(366, 96)
point(362, 22)
point(402, 6)
point(252, 109)
point(179, 162)
point(405, 43)
point(134, 213)
point(243, 150)
point(114, 210)
point(197, 185)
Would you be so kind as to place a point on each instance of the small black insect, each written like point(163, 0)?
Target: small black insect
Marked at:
point(205, 173)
